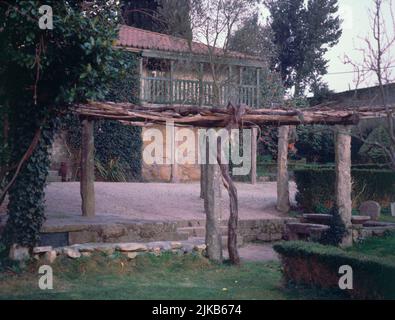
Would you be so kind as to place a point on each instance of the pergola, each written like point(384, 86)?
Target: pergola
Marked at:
point(341, 115)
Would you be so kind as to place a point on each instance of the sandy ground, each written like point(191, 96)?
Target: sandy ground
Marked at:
point(158, 201)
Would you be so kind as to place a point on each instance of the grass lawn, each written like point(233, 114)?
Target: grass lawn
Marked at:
point(149, 277)
point(377, 246)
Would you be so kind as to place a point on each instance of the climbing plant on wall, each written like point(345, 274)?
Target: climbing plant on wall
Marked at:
point(118, 147)
point(42, 73)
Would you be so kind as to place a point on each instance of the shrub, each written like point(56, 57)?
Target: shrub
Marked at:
point(337, 230)
point(316, 187)
point(316, 265)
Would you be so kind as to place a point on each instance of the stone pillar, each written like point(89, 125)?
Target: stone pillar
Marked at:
point(213, 211)
point(283, 204)
point(254, 136)
point(87, 169)
point(343, 178)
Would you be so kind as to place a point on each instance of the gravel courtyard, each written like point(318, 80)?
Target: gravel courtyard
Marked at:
point(158, 201)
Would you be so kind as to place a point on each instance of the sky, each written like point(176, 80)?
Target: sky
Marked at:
point(356, 25)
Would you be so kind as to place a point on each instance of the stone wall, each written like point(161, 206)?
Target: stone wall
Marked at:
point(110, 233)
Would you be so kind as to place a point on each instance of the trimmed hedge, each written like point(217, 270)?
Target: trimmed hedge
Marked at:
point(316, 265)
point(316, 187)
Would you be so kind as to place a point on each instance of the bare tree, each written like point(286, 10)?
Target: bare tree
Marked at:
point(213, 23)
point(377, 63)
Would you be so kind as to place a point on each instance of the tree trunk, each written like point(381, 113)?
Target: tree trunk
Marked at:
point(87, 169)
point(233, 209)
point(343, 179)
point(202, 180)
point(283, 204)
point(213, 212)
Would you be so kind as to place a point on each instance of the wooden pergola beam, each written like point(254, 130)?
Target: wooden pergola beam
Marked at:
point(220, 117)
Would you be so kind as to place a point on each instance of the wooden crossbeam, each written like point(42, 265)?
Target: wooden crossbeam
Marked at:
point(220, 117)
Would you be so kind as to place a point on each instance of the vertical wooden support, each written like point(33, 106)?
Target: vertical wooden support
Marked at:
point(142, 98)
point(343, 179)
point(258, 90)
point(213, 211)
point(171, 99)
point(283, 204)
point(254, 137)
point(201, 89)
point(87, 169)
point(240, 93)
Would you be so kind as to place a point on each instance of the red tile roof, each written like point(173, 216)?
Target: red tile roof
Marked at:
point(142, 39)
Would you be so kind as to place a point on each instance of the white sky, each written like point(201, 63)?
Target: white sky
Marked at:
point(356, 24)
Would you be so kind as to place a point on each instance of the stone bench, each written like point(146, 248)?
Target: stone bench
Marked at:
point(301, 230)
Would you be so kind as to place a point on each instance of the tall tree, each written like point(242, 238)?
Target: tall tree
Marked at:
point(171, 17)
point(141, 14)
point(303, 32)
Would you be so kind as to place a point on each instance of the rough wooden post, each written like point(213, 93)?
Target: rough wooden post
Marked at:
point(204, 151)
point(254, 136)
point(283, 203)
point(258, 91)
point(213, 212)
point(171, 82)
point(201, 88)
point(87, 169)
point(343, 178)
point(142, 98)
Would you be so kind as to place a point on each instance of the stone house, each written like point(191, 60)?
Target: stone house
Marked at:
point(175, 71)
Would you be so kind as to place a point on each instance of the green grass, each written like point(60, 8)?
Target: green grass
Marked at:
point(387, 218)
point(148, 277)
point(377, 246)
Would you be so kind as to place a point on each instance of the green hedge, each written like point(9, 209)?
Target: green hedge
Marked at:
point(316, 265)
point(316, 187)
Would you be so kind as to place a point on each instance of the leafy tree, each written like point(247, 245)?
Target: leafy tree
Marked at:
point(42, 73)
point(303, 32)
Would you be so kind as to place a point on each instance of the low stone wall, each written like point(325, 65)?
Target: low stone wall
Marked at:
point(372, 229)
point(130, 250)
point(263, 230)
point(110, 233)
point(248, 231)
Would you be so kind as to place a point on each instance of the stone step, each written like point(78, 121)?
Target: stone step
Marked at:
point(199, 231)
point(224, 240)
point(191, 223)
point(53, 176)
point(197, 223)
